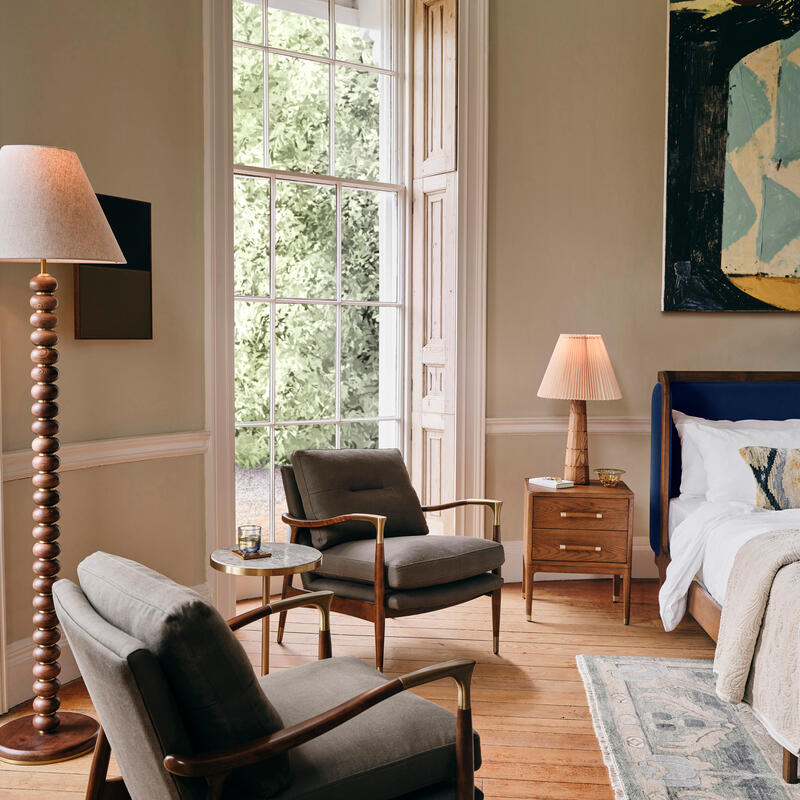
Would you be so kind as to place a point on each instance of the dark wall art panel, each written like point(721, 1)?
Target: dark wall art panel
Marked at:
point(115, 301)
point(732, 229)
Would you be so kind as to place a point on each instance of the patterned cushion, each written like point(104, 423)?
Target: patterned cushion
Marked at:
point(777, 474)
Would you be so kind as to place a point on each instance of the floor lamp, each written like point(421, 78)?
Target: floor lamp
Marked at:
point(48, 212)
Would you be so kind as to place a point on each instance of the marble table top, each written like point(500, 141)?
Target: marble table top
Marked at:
point(286, 559)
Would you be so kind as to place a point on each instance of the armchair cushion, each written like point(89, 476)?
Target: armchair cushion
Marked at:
point(206, 667)
point(413, 562)
point(401, 746)
point(336, 482)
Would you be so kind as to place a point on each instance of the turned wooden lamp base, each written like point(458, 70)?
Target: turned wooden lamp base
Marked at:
point(21, 743)
point(576, 460)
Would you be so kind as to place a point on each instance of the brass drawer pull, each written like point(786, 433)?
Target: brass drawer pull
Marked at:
point(581, 515)
point(582, 548)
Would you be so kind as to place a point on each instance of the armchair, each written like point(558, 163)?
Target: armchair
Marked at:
point(379, 560)
point(135, 637)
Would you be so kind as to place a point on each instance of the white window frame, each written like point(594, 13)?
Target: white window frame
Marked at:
point(395, 166)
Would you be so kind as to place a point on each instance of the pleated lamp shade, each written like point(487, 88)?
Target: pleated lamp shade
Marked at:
point(49, 210)
point(580, 369)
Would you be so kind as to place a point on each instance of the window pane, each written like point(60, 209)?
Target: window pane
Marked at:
point(251, 361)
point(298, 114)
point(359, 434)
point(363, 32)
point(251, 236)
point(252, 478)
point(369, 245)
point(363, 106)
point(289, 438)
point(248, 106)
point(369, 361)
point(248, 24)
point(305, 342)
point(300, 25)
point(305, 247)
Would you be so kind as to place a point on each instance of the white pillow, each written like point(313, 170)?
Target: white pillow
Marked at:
point(693, 470)
point(728, 475)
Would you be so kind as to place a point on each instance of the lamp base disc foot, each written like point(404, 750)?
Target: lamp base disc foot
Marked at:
point(21, 743)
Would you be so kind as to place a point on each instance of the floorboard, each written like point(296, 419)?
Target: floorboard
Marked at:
point(528, 703)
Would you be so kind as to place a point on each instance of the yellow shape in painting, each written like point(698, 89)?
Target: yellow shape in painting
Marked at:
point(708, 8)
point(779, 292)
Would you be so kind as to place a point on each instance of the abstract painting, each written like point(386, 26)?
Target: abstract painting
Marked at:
point(732, 228)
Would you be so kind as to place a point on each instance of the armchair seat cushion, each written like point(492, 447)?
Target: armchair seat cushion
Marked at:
point(399, 747)
point(413, 562)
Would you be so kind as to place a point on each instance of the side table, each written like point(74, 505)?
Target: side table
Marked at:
point(286, 559)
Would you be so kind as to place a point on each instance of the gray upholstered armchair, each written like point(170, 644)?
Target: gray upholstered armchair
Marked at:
point(359, 508)
point(188, 719)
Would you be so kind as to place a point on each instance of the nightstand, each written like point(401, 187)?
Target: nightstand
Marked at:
point(587, 529)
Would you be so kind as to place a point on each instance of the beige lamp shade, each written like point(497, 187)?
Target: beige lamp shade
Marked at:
point(580, 369)
point(48, 209)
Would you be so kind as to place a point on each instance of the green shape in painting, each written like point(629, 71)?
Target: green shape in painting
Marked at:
point(780, 219)
point(748, 106)
point(788, 46)
point(738, 211)
point(787, 141)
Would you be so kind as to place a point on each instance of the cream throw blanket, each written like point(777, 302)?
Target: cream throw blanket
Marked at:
point(758, 652)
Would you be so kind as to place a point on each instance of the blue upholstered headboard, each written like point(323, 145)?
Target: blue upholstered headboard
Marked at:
point(713, 395)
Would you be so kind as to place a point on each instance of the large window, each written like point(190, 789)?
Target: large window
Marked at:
point(318, 201)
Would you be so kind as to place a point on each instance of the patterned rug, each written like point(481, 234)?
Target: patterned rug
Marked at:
point(665, 734)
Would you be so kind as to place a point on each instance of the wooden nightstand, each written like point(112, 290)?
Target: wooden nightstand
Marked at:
point(586, 529)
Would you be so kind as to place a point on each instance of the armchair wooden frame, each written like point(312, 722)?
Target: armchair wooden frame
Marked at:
point(375, 611)
point(216, 766)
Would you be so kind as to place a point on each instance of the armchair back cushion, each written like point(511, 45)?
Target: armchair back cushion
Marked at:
point(336, 482)
point(131, 695)
point(208, 671)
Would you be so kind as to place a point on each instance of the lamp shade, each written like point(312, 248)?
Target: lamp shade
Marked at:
point(580, 369)
point(48, 209)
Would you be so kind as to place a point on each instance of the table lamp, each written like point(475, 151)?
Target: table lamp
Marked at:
point(48, 212)
point(579, 370)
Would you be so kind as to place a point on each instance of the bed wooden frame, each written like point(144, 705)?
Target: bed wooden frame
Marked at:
point(701, 605)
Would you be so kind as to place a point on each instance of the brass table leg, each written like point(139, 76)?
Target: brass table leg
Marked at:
point(265, 628)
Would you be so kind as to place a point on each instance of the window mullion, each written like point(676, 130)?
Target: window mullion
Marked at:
point(338, 369)
point(273, 190)
point(265, 87)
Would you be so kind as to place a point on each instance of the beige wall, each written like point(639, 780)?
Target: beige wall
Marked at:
point(121, 83)
point(576, 181)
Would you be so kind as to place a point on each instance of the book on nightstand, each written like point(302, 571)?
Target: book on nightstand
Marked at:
point(552, 482)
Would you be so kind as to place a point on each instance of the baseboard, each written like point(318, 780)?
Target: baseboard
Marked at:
point(643, 564)
point(19, 661)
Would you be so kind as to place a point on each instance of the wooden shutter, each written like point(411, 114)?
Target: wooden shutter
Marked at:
point(434, 258)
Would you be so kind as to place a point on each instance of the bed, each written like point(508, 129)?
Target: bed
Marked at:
point(715, 396)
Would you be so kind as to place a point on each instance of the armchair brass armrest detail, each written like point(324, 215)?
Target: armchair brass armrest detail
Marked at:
point(322, 600)
point(375, 519)
point(495, 505)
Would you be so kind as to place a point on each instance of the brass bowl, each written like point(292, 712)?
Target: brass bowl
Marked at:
point(609, 477)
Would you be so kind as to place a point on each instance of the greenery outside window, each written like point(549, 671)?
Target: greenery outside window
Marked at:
point(318, 200)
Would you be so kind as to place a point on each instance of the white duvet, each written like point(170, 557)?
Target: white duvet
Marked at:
point(705, 543)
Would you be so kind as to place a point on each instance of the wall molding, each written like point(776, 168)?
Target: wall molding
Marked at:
point(616, 426)
point(103, 452)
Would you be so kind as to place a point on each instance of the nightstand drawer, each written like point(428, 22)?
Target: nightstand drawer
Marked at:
point(582, 513)
point(572, 545)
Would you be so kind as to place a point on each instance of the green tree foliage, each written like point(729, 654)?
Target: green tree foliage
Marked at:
point(305, 257)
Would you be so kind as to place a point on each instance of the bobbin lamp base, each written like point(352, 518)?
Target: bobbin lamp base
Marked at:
point(21, 743)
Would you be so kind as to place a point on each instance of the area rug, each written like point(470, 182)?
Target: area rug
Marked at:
point(665, 735)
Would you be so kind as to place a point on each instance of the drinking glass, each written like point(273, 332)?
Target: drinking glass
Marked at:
point(249, 539)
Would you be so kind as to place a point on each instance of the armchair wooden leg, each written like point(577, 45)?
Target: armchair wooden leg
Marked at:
point(789, 767)
point(99, 786)
point(380, 632)
point(287, 582)
point(496, 596)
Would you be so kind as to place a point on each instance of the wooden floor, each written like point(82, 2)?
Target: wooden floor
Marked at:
point(528, 703)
